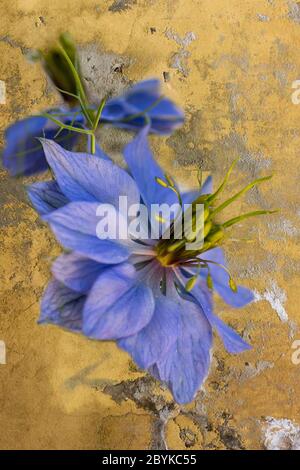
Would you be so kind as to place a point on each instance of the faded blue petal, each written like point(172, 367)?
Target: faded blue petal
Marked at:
point(77, 272)
point(145, 169)
point(117, 305)
point(85, 177)
point(23, 153)
point(62, 306)
point(141, 104)
point(232, 340)
point(153, 342)
point(207, 186)
point(242, 297)
point(186, 365)
point(75, 226)
point(46, 197)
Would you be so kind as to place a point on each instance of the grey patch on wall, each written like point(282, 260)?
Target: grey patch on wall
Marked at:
point(294, 11)
point(179, 60)
point(121, 5)
point(113, 141)
point(12, 189)
point(215, 156)
point(15, 44)
point(246, 266)
point(252, 370)
point(142, 392)
point(230, 438)
point(104, 72)
point(184, 143)
point(105, 76)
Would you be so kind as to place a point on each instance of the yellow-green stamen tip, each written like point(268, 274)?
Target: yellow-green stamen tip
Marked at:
point(191, 283)
point(232, 285)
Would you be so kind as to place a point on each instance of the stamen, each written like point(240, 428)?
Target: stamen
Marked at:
point(240, 193)
point(209, 281)
point(231, 281)
point(213, 196)
point(169, 184)
point(191, 283)
point(239, 218)
point(161, 182)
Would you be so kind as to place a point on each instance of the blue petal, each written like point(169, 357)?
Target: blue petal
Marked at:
point(77, 272)
point(232, 340)
point(238, 299)
point(23, 154)
point(84, 177)
point(62, 306)
point(117, 305)
point(143, 102)
point(220, 277)
point(46, 196)
point(113, 110)
point(207, 187)
point(162, 126)
point(75, 227)
point(167, 110)
point(145, 169)
point(153, 370)
point(186, 364)
point(152, 343)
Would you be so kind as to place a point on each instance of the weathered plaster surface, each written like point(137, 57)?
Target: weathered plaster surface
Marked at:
point(231, 65)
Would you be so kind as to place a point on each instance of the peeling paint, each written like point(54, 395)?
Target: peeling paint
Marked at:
point(144, 394)
point(179, 60)
point(281, 434)
point(104, 71)
point(121, 5)
point(276, 298)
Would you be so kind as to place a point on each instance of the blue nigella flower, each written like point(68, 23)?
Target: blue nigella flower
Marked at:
point(141, 104)
point(125, 290)
point(23, 154)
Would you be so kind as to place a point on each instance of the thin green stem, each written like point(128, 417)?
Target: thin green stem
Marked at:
point(239, 218)
point(98, 115)
point(66, 126)
point(82, 96)
point(92, 144)
point(223, 184)
point(75, 75)
point(240, 193)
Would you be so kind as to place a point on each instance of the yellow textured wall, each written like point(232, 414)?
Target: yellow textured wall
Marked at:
point(230, 64)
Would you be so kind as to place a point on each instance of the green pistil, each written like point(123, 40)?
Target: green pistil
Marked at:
point(173, 252)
